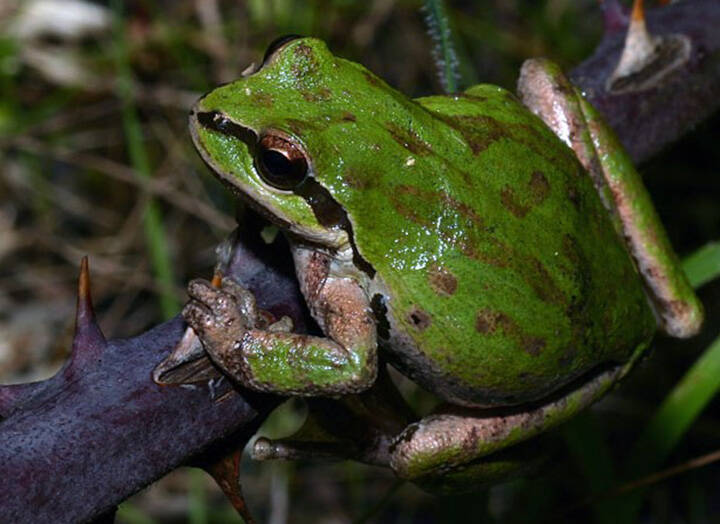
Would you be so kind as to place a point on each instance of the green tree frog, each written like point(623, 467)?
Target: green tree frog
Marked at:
point(501, 252)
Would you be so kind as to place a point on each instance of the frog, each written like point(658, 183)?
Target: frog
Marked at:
point(498, 249)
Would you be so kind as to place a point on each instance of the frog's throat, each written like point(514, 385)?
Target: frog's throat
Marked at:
point(328, 212)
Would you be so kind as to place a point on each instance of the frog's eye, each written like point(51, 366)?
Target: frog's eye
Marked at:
point(276, 44)
point(280, 162)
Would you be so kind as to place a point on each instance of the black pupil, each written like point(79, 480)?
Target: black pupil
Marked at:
point(280, 171)
point(277, 164)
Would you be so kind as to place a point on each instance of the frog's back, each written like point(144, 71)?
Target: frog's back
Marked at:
point(504, 276)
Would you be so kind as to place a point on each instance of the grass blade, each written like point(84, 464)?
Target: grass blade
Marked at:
point(443, 50)
point(704, 265)
point(155, 236)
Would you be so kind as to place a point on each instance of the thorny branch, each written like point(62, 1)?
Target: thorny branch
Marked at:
point(74, 446)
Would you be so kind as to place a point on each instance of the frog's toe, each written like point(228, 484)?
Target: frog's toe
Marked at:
point(221, 305)
point(230, 286)
point(198, 316)
point(244, 298)
point(203, 291)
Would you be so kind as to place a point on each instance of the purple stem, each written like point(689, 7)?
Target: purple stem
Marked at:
point(74, 446)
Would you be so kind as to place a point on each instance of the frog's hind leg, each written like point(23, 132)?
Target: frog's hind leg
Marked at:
point(549, 94)
point(359, 427)
point(464, 447)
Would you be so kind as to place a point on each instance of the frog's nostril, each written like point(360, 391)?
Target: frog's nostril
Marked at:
point(216, 121)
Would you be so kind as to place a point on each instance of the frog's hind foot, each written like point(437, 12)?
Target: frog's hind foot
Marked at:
point(466, 445)
point(522, 460)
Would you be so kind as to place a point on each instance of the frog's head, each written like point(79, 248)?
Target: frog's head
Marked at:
point(283, 135)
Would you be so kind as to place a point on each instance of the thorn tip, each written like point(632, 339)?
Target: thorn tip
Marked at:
point(84, 298)
point(89, 340)
point(638, 11)
point(645, 58)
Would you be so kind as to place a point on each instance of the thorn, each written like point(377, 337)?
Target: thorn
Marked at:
point(88, 341)
point(640, 46)
point(645, 58)
point(615, 16)
point(226, 473)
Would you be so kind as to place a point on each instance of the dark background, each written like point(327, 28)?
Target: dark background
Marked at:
point(96, 160)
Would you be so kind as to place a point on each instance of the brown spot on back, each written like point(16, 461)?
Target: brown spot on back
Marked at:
point(441, 280)
point(321, 95)
point(262, 99)
point(543, 284)
point(533, 345)
point(489, 322)
point(358, 180)
point(409, 139)
point(347, 116)
point(419, 319)
point(512, 203)
point(304, 51)
point(573, 195)
point(538, 191)
point(305, 64)
point(539, 187)
point(298, 127)
point(372, 79)
point(468, 96)
point(478, 131)
point(571, 250)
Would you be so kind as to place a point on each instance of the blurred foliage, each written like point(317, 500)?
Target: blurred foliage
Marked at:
point(97, 160)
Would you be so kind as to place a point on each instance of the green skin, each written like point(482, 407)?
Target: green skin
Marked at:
point(459, 233)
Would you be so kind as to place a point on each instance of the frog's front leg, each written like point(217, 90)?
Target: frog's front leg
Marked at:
point(548, 93)
point(460, 448)
point(286, 363)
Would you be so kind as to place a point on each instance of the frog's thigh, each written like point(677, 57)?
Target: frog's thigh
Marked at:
point(462, 441)
point(549, 94)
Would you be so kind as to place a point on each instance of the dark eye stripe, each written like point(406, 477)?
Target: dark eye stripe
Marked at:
point(218, 122)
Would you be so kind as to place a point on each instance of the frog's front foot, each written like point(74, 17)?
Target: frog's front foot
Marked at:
point(220, 317)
